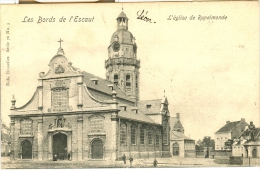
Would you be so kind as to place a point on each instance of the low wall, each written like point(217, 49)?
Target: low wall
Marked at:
point(190, 153)
point(222, 154)
point(215, 154)
point(144, 155)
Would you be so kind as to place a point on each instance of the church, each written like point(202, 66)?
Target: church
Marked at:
point(75, 115)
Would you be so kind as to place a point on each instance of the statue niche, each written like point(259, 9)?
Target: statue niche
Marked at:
point(59, 122)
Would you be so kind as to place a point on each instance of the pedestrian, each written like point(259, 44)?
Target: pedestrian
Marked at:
point(131, 161)
point(55, 158)
point(155, 163)
point(69, 156)
point(124, 158)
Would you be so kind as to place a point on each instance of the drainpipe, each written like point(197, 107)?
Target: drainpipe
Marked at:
point(119, 136)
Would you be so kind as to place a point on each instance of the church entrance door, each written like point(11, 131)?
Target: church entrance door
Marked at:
point(26, 150)
point(254, 153)
point(59, 146)
point(175, 149)
point(97, 149)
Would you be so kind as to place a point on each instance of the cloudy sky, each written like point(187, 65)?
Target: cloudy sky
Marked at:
point(208, 69)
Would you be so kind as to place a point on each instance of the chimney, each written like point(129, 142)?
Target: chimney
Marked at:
point(178, 115)
point(228, 122)
point(243, 119)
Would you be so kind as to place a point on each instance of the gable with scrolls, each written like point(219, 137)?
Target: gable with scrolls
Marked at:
point(60, 67)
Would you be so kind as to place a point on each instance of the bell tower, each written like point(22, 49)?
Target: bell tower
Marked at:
point(122, 66)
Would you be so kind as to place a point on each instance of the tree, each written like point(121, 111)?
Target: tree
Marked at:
point(228, 144)
point(206, 142)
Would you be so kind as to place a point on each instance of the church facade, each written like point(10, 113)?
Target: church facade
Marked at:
point(75, 115)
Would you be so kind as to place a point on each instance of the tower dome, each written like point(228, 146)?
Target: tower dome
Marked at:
point(124, 36)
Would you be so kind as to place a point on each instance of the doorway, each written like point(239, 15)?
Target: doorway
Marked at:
point(26, 150)
point(175, 149)
point(97, 149)
point(254, 153)
point(59, 146)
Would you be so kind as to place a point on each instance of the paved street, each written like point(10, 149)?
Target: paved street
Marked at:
point(138, 163)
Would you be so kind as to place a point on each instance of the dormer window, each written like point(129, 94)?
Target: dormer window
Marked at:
point(148, 106)
point(94, 80)
point(123, 107)
point(135, 110)
point(111, 86)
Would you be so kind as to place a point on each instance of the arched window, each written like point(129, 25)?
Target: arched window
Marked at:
point(133, 134)
point(96, 124)
point(116, 79)
point(150, 136)
point(165, 132)
point(136, 82)
point(142, 133)
point(123, 134)
point(128, 81)
point(157, 140)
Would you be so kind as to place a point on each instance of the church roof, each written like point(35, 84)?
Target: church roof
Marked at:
point(122, 15)
point(228, 127)
point(135, 116)
point(179, 135)
point(102, 86)
point(150, 106)
point(173, 121)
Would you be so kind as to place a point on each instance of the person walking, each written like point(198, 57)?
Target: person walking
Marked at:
point(155, 163)
point(124, 158)
point(131, 161)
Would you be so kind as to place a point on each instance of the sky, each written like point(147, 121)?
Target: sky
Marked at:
point(208, 69)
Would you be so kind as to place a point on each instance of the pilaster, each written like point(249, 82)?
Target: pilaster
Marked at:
point(114, 119)
point(79, 86)
point(40, 91)
point(12, 126)
point(80, 138)
point(40, 139)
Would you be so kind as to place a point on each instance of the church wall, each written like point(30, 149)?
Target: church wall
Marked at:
point(140, 150)
point(47, 94)
point(105, 135)
point(18, 138)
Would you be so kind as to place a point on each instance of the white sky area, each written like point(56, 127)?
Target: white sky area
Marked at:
point(208, 69)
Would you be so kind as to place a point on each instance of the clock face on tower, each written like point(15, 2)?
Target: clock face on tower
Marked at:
point(116, 46)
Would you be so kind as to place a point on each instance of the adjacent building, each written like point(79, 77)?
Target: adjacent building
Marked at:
point(76, 115)
point(248, 143)
point(5, 140)
point(230, 131)
point(181, 145)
